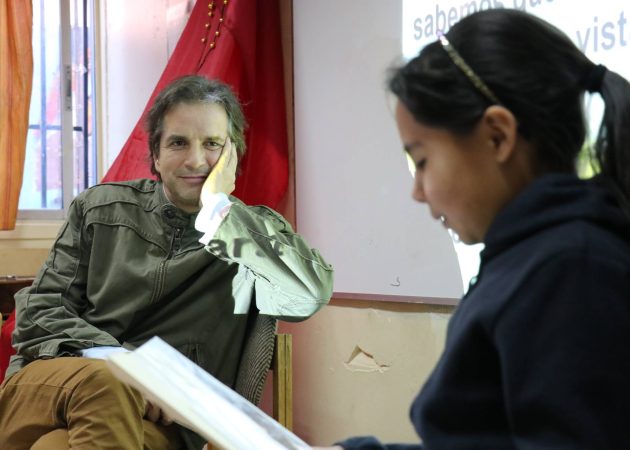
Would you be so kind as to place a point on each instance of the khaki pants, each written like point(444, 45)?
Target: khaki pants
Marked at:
point(77, 402)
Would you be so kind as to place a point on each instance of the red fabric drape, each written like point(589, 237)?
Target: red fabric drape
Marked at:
point(238, 42)
point(16, 77)
point(6, 350)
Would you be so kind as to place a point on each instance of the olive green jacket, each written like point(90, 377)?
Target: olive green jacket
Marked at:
point(127, 265)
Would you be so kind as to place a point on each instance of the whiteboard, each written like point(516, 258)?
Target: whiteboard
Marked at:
point(353, 188)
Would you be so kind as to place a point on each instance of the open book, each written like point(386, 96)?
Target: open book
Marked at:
point(195, 399)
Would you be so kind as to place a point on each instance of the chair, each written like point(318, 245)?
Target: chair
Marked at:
point(283, 380)
point(265, 350)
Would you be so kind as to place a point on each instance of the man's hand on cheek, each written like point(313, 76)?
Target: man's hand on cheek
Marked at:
point(222, 177)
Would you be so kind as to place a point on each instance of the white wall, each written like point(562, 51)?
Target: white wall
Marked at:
point(353, 187)
point(137, 39)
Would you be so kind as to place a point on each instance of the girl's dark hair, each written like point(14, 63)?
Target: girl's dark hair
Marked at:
point(195, 89)
point(537, 73)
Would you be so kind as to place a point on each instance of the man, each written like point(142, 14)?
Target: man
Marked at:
point(138, 259)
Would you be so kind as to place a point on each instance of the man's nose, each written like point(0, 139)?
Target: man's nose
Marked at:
point(196, 156)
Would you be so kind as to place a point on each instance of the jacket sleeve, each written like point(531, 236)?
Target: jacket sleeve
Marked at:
point(291, 280)
point(565, 355)
point(48, 313)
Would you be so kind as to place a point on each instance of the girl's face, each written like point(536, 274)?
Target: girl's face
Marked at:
point(460, 178)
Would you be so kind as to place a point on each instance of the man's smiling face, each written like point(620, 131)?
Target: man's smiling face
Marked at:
point(193, 136)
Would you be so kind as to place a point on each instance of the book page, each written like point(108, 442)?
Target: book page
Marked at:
point(195, 399)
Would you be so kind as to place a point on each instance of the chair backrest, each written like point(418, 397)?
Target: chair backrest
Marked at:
point(265, 350)
point(256, 358)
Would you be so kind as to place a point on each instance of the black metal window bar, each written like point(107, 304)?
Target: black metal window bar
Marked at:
point(82, 40)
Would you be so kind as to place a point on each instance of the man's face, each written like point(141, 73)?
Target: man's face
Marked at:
point(193, 136)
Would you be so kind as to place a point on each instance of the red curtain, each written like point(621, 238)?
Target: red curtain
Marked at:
point(238, 42)
point(6, 349)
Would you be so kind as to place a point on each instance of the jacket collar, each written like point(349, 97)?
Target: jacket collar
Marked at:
point(171, 214)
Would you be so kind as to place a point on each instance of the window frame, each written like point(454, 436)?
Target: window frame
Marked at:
point(55, 216)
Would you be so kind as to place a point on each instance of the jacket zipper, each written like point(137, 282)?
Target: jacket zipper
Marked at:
point(176, 242)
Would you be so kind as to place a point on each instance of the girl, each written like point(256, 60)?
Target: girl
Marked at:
point(538, 351)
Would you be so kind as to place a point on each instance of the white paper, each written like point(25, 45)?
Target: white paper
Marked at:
point(195, 399)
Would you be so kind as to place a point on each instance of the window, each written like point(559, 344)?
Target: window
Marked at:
point(60, 157)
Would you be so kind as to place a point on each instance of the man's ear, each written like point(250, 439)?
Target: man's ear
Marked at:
point(501, 128)
point(156, 161)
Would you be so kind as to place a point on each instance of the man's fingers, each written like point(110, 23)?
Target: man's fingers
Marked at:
point(152, 412)
point(224, 158)
point(223, 174)
point(233, 157)
point(166, 420)
point(230, 151)
point(156, 414)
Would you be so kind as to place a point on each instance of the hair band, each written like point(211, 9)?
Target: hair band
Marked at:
point(464, 67)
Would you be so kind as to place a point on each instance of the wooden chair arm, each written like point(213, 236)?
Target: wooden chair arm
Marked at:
point(282, 367)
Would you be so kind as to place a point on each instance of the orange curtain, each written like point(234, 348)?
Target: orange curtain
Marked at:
point(16, 77)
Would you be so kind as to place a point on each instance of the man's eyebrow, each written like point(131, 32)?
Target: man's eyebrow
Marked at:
point(172, 137)
point(216, 137)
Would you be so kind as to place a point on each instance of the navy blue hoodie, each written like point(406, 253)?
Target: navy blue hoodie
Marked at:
point(537, 354)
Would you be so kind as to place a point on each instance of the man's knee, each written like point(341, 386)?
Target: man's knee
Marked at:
point(96, 374)
point(57, 440)
point(98, 381)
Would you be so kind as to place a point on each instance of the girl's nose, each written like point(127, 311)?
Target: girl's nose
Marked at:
point(417, 192)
